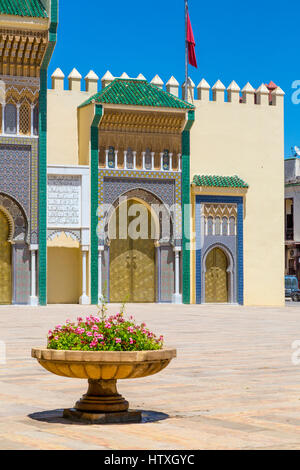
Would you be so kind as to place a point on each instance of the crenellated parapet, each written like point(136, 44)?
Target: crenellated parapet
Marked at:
point(266, 95)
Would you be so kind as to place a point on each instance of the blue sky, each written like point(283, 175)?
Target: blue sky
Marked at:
point(235, 41)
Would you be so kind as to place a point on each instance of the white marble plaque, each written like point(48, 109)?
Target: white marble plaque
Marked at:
point(64, 201)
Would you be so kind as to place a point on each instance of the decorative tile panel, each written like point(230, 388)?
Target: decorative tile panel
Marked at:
point(166, 186)
point(64, 201)
point(167, 273)
point(21, 272)
point(233, 244)
point(74, 234)
point(15, 173)
point(19, 176)
point(20, 226)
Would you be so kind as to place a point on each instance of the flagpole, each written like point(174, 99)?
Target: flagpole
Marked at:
point(186, 51)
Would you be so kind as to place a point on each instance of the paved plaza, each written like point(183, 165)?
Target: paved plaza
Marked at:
point(233, 386)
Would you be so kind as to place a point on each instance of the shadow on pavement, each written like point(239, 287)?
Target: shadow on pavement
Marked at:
point(56, 417)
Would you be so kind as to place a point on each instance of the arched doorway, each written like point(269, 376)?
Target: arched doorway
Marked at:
point(5, 261)
point(132, 261)
point(63, 268)
point(216, 277)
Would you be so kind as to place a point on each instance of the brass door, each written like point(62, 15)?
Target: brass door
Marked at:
point(132, 268)
point(5, 262)
point(216, 284)
point(120, 271)
point(143, 271)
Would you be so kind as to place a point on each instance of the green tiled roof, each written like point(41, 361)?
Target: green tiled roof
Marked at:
point(32, 8)
point(137, 93)
point(219, 181)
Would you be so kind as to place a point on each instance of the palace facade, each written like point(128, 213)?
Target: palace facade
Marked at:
point(292, 216)
point(79, 166)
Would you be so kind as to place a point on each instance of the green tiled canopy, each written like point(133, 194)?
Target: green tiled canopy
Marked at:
point(32, 8)
point(219, 181)
point(137, 93)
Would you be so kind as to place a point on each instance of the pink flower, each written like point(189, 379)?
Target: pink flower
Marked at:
point(98, 336)
point(95, 328)
point(130, 329)
point(118, 340)
point(79, 319)
point(56, 338)
point(108, 326)
point(89, 333)
point(131, 341)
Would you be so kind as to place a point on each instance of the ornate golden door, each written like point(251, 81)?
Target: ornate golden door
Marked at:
point(143, 271)
point(5, 261)
point(132, 268)
point(216, 284)
point(120, 270)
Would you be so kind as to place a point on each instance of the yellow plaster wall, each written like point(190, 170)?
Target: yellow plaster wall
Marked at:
point(85, 119)
point(64, 275)
point(62, 134)
point(248, 140)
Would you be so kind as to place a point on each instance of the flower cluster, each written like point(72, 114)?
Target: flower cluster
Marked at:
point(113, 333)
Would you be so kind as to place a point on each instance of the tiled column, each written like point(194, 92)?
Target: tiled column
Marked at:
point(186, 210)
point(34, 301)
point(94, 203)
point(43, 154)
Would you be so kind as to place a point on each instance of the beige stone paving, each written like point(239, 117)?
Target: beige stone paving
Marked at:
point(233, 385)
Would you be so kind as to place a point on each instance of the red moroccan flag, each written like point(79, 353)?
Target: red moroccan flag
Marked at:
point(191, 43)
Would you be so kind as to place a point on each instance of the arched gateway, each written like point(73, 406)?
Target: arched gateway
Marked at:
point(216, 277)
point(5, 261)
point(132, 254)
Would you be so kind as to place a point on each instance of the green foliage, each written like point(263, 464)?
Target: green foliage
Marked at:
point(101, 333)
